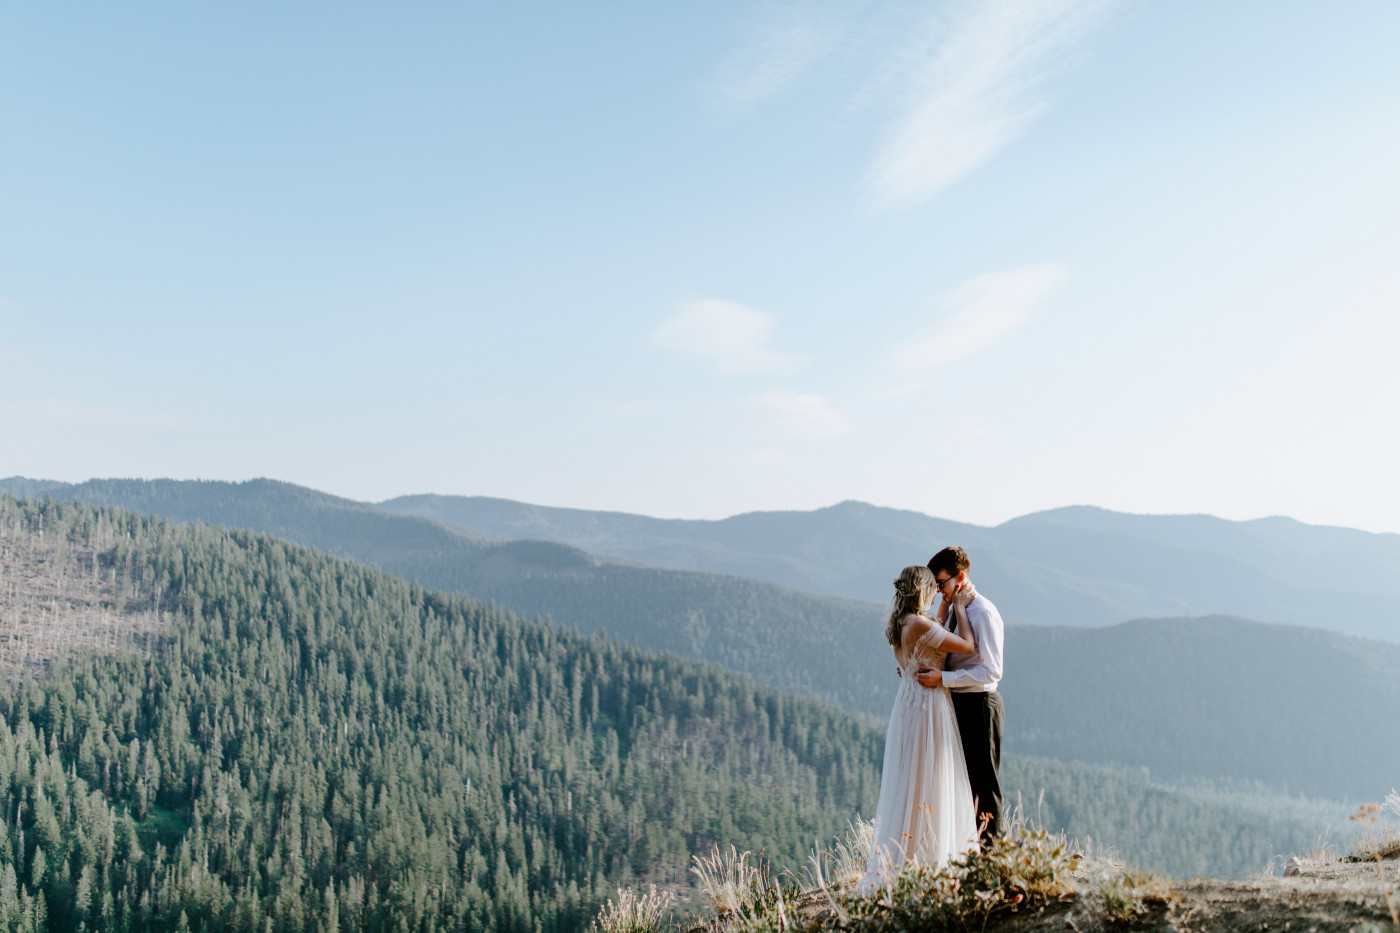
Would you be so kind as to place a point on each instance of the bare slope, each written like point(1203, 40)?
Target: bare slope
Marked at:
point(57, 598)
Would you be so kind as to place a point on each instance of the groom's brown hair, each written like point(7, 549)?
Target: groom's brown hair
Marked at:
point(951, 560)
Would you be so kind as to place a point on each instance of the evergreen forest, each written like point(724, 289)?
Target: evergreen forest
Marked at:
point(315, 745)
point(300, 742)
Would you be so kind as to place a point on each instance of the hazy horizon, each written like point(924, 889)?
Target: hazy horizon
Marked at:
point(715, 518)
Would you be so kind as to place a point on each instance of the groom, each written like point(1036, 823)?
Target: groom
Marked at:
point(973, 680)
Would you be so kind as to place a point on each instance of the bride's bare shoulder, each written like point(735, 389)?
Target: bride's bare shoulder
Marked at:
point(915, 627)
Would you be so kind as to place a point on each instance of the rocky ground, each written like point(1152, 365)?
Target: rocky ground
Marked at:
point(1331, 896)
point(1317, 898)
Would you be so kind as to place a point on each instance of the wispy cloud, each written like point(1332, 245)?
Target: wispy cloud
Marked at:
point(960, 83)
point(734, 338)
point(804, 416)
point(775, 58)
point(979, 313)
point(974, 88)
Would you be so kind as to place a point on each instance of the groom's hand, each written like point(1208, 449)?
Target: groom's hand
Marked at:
point(930, 678)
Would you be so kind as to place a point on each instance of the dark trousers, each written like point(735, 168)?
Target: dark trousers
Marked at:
point(980, 717)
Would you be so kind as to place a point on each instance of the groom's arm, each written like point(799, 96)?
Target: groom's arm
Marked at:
point(989, 633)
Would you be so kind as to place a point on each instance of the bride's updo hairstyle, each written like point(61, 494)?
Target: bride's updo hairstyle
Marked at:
point(912, 592)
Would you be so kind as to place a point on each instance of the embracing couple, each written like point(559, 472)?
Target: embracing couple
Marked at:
point(939, 792)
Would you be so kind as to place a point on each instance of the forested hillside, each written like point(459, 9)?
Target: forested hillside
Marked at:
point(1220, 698)
point(315, 744)
point(821, 646)
point(1296, 708)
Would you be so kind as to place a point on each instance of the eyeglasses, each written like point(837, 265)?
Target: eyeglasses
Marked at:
point(942, 583)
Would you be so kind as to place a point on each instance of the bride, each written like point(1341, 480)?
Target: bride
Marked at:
point(925, 811)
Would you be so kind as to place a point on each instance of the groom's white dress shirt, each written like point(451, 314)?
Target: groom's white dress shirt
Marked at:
point(979, 672)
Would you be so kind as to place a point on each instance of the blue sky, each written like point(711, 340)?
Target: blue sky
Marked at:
point(974, 259)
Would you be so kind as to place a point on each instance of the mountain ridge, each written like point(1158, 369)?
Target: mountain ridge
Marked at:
point(1075, 565)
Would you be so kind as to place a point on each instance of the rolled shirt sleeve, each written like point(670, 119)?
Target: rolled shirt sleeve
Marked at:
point(981, 671)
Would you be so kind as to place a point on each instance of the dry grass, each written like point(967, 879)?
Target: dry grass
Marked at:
point(633, 913)
point(743, 890)
point(1378, 844)
point(1385, 841)
point(730, 879)
point(842, 865)
point(1322, 851)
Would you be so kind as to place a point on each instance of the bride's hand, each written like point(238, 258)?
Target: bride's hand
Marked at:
point(942, 612)
point(965, 595)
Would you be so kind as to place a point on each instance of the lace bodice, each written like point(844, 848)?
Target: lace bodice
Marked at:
point(925, 652)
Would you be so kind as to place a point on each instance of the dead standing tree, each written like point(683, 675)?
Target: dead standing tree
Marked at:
point(54, 599)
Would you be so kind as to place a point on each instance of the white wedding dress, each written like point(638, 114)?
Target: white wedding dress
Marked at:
point(925, 811)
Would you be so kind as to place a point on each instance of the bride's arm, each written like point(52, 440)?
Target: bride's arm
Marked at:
point(963, 642)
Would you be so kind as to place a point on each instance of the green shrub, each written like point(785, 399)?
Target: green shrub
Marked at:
point(1025, 869)
point(1125, 896)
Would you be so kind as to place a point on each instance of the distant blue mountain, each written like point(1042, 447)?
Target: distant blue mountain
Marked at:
point(1070, 566)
